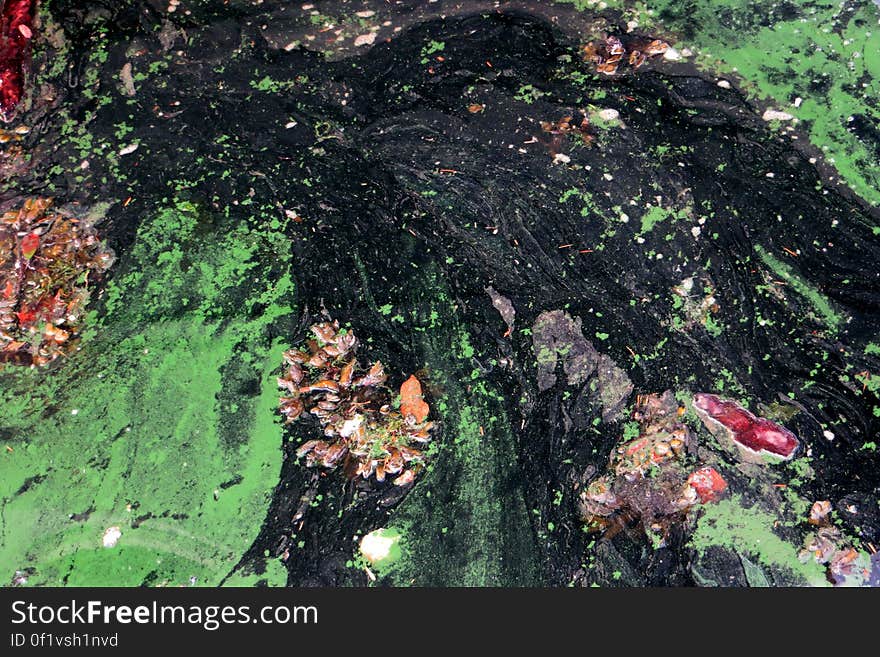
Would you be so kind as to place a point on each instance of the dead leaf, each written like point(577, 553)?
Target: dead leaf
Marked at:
point(411, 401)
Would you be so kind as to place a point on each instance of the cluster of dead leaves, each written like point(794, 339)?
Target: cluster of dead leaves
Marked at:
point(609, 54)
point(47, 263)
point(363, 433)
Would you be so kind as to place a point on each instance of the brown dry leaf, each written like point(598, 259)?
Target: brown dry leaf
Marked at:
point(411, 402)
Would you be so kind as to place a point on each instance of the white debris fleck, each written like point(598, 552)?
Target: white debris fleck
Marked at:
point(724, 84)
point(607, 176)
point(695, 231)
point(111, 537)
point(624, 217)
point(770, 174)
point(561, 158)
point(75, 411)
point(126, 150)
point(798, 101)
point(290, 124)
point(631, 25)
point(365, 39)
point(671, 55)
point(828, 435)
point(376, 547)
point(609, 114)
point(776, 115)
point(365, 14)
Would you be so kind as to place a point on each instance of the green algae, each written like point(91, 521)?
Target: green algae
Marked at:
point(133, 432)
point(825, 312)
point(820, 51)
point(748, 531)
point(465, 523)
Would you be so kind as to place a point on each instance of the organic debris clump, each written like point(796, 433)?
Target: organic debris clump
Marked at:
point(363, 432)
point(609, 54)
point(646, 477)
point(845, 565)
point(47, 263)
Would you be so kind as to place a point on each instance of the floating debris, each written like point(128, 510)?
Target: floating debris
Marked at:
point(846, 566)
point(364, 434)
point(755, 435)
point(47, 263)
point(578, 126)
point(504, 306)
point(16, 33)
point(609, 54)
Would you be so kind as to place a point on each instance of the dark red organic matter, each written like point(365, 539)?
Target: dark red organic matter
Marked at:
point(755, 433)
point(16, 33)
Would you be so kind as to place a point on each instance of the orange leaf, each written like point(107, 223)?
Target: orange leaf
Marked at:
point(411, 402)
point(29, 245)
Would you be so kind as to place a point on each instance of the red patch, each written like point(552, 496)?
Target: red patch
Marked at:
point(755, 433)
point(29, 245)
point(16, 21)
point(708, 484)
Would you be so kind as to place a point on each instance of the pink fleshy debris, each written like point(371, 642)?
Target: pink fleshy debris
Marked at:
point(708, 484)
point(757, 434)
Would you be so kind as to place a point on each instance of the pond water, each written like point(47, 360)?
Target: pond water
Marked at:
point(547, 248)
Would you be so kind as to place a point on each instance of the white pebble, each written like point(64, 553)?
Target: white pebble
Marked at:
point(609, 114)
point(671, 55)
point(125, 150)
point(695, 231)
point(828, 435)
point(724, 84)
point(365, 39)
point(776, 115)
point(111, 536)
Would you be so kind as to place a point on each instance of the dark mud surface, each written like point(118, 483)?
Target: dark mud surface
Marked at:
point(411, 175)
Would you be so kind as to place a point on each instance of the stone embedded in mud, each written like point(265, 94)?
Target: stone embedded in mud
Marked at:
point(16, 33)
point(556, 335)
point(614, 387)
point(755, 434)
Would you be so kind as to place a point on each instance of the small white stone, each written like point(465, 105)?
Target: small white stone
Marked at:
point(609, 114)
point(125, 150)
point(290, 124)
point(724, 84)
point(631, 25)
point(561, 158)
point(828, 435)
point(111, 536)
point(776, 115)
point(624, 217)
point(376, 547)
point(695, 231)
point(607, 176)
point(770, 174)
point(671, 55)
point(687, 52)
point(365, 39)
point(75, 411)
point(798, 101)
